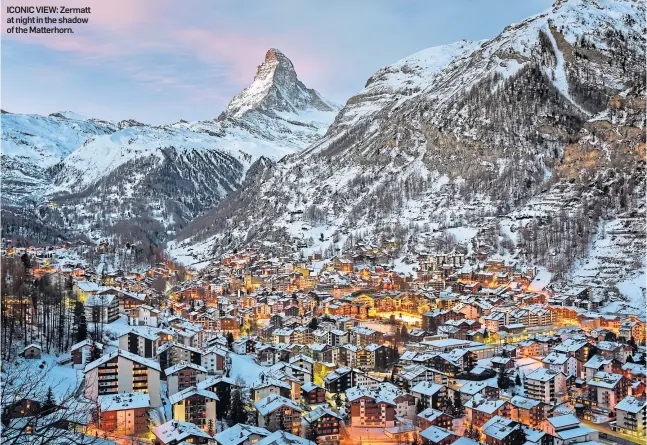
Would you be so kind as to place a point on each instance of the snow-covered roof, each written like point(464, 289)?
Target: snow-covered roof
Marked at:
point(631, 404)
point(100, 300)
point(319, 412)
point(604, 379)
point(563, 421)
point(572, 433)
point(543, 374)
point(435, 434)
point(182, 365)
point(499, 427)
point(480, 403)
point(555, 358)
point(88, 286)
point(188, 392)
point(385, 393)
point(271, 403)
point(239, 433)
point(524, 402)
point(177, 431)
point(427, 388)
point(85, 342)
point(430, 414)
point(124, 401)
point(283, 438)
point(127, 355)
point(597, 361)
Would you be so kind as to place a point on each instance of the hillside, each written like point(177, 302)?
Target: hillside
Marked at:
point(81, 176)
point(447, 146)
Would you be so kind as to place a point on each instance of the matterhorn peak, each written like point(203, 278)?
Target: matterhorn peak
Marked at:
point(276, 89)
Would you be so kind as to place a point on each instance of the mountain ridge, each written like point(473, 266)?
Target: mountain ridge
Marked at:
point(448, 158)
point(66, 164)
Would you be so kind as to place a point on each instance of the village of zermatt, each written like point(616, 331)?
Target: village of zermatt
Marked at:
point(451, 253)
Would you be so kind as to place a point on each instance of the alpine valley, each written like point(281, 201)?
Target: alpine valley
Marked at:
point(529, 145)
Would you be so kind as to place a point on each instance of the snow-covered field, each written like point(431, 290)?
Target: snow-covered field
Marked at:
point(245, 367)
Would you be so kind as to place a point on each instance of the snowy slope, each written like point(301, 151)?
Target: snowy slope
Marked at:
point(160, 176)
point(452, 145)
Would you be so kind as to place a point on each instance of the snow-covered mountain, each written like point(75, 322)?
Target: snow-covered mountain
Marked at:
point(445, 145)
point(87, 175)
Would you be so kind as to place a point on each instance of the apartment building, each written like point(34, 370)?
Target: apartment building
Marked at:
point(197, 406)
point(630, 416)
point(122, 372)
point(278, 413)
point(124, 413)
point(141, 342)
point(546, 385)
point(184, 375)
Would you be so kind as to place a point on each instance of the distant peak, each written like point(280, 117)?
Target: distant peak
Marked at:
point(276, 88)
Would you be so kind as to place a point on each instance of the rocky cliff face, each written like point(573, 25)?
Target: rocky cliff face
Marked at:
point(446, 143)
point(86, 176)
point(275, 90)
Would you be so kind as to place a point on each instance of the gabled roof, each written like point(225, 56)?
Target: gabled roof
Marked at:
point(480, 403)
point(436, 434)
point(427, 388)
point(523, 402)
point(239, 433)
point(271, 403)
point(175, 430)
point(182, 365)
point(125, 354)
point(188, 392)
point(319, 412)
point(85, 342)
point(283, 438)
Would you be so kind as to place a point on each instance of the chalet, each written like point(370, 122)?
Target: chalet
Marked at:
point(275, 412)
point(31, 351)
point(83, 289)
point(430, 416)
point(479, 409)
point(503, 431)
point(630, 416)
point(561, 362)
point(324, 424)
point(313, 394)
point(85, 351)
point(267, 386)
point(216, 360)
point(546, 385)
point(605, 390)
point(222, 386)
point(344, 378)
point(144, 315)
point(172, 353)
point(430, 394)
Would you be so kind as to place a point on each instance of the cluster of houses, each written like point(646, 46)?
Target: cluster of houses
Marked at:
point(467, 354)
